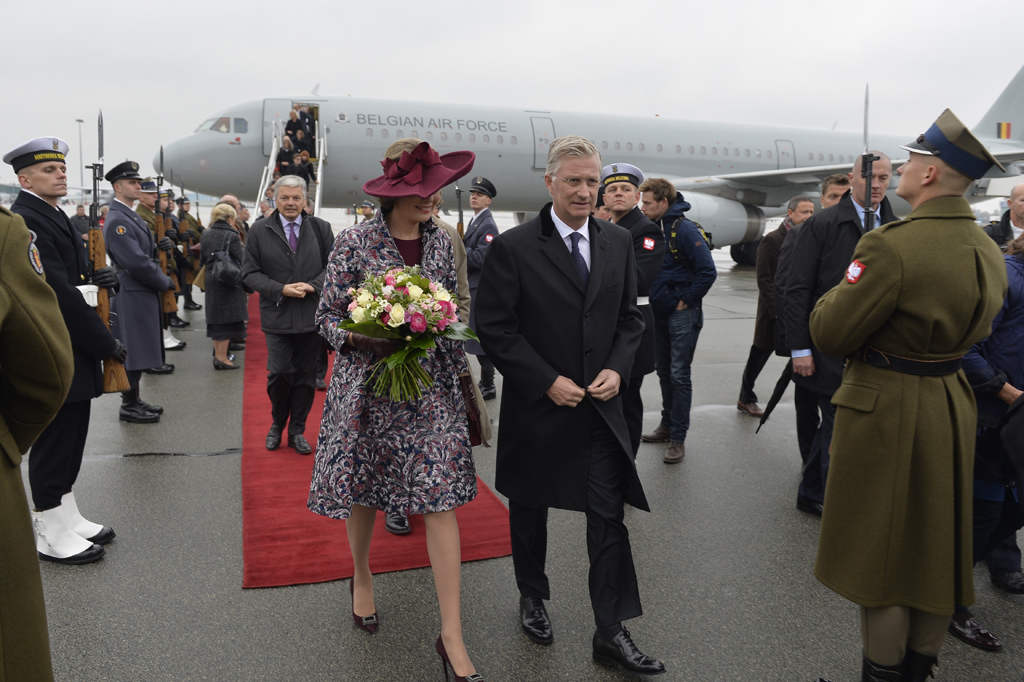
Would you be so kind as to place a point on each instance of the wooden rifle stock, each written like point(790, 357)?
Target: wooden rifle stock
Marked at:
point(193, 261)
point(170, 302)
point(115, 379)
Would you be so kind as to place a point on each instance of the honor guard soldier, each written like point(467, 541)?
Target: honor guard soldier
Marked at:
point(480, 232)
point(148, 198)
point(620, 183)
point(132, 249)
point(149, 203)
point(896, 530)
point(179, 263)
point(63, 535)
point(36, 356)
point(191, 230)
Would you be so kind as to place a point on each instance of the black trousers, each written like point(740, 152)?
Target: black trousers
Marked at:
point(56, 456)
point(815, 472)
point(633, 410)
point(486, 367)
point(808, 418)
point(291, 377)
point(755, 363)
point(614, 594)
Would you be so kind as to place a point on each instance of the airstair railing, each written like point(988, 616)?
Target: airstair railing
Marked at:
point(268, 172)
point(321, 160)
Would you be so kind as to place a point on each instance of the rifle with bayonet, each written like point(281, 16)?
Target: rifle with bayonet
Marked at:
point(169, 300)
point(115, 379)
point(186, 232)
point(458, 200)
point(867, 172)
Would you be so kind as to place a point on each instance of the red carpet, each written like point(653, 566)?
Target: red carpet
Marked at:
point(283, 543)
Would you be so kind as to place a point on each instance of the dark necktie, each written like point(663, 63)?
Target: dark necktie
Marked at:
point(293, 239)
point(581, 264)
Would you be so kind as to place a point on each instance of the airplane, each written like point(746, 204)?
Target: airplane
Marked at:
point(734, 175)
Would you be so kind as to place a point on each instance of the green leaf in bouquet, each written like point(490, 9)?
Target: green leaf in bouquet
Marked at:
point(460, 331)
point(370, 328)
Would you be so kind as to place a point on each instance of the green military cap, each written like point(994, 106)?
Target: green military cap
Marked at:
point(951, 141)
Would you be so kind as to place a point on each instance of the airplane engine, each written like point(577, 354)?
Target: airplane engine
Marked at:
point(729, 222)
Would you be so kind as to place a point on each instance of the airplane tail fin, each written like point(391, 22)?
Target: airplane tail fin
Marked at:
point(1005, 119)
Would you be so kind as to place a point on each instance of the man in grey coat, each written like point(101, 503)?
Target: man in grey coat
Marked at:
point(285, 261)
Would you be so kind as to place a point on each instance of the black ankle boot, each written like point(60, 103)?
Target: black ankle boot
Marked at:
point(487, 390)
point(918, 667)
point(872, 672)
point(132, 410)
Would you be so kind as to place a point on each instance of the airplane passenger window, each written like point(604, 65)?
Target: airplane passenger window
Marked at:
point(604, 144)
point(501, 139)
point(512, 139)
point(736, 151)
point(458, 137)
point(703, 151)
point(829, 157)
point(413, 133)
point(444, 137)
point(757, 153)
point(641, 146)
point(810, 157)
point(659, 147)
point(617, 146)
point(714, 151)
point(690, 150)
point(430, 135)
point(384, 133)
point(629, 146)
point(768, 153)
point(821, 157)
point(487, 139)
point(472, 137)
point(241, 125)
point(398, 134)
point(746, 152)
point(369, 132)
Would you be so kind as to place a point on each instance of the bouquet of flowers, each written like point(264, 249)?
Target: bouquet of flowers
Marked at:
point(403, 304)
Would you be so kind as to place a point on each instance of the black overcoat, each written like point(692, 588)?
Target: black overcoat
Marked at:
point(478, 237)
point(819, 251)
point(766, 266)
point(648, 252)
point(224, 304)
point(65, 260)
point(139, 322)
point(536, 322)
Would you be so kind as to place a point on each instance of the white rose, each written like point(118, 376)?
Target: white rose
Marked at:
point(396, 316)
point(359, 315)
point(415, 291)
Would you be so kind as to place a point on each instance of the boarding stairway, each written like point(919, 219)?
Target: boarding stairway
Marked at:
point(314, 195)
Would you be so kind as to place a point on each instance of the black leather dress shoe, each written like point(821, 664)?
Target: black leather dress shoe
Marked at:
point(300, 444)
point(190, 305)
point(397, 524)
point(487, 391)
point(965, 628)
point(94, 553)
point(178, 346)
point(621, 651)
point(165, 368)
point(808, 506)
point(535, 621)
point(177, 322)
point(274, 437)
point(135, 414)
point(1009, 582)
point(104, 537)
point(234, 345)
point(155, 409)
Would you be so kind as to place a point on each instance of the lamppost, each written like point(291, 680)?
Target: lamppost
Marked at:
point(81, 159)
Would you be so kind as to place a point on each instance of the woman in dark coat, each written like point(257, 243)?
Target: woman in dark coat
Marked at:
point(408, 457)
point(226, 312)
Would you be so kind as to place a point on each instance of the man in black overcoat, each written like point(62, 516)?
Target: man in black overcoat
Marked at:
point(557, 314)
point(621, 183)
point(64, 536)
point(480, 232)
point(814, 257)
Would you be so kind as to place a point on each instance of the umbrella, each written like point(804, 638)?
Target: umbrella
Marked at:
point(780, 388)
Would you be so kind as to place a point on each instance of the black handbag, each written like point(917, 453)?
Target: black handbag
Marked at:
point(224, 269)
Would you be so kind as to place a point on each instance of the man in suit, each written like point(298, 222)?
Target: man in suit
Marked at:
point(285, 261)
point(64, 536)
point(132, 250)
point(36, 357)
point(620, 183)
point(480, 232)
point(557, 314)
point(814, 258)
point(799, 209)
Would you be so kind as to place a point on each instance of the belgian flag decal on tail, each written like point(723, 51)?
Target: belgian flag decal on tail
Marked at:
point(1003, 131)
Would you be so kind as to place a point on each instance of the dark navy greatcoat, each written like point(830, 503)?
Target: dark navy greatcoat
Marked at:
point(478, 237)
point(648, 250)
point(65, 261)
point(538, 321)
point(137, 305)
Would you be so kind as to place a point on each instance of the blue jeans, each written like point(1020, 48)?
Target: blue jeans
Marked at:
point(675, 338)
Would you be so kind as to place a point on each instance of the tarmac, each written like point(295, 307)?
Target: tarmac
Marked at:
point(724, 559)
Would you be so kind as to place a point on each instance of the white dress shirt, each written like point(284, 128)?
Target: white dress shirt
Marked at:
point(564, 231)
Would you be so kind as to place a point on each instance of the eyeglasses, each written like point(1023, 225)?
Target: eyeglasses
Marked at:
point(576, 182)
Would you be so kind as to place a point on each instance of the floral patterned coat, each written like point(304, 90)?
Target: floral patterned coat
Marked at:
point(409, 457)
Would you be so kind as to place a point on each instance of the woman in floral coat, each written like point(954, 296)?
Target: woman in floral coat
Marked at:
point(409, 457)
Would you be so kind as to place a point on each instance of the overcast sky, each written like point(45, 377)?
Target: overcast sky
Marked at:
point(791, 62)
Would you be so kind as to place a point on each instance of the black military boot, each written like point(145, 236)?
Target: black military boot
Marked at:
point(487, 390)
point(132, 410)
point(918, 667)
point(872, 672)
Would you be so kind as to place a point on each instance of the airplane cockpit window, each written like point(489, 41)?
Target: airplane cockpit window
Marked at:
point(241, 126)
point(217, 125)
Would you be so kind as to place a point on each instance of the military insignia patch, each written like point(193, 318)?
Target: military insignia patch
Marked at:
point(854, 272)
point(648, 243)
point(489, 238)
point(32, 234)
point(35, 259)
point(56, 145)
point(120, 229)
point(615, 168)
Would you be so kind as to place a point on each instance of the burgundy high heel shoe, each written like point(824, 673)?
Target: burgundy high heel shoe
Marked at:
point(368, 623)
point(445, 664)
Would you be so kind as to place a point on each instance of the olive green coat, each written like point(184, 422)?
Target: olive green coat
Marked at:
point(36, 366)
point(897, 523)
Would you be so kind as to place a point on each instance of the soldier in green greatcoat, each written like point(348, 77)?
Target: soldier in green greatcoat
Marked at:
point(896, 530)
point(36, 366)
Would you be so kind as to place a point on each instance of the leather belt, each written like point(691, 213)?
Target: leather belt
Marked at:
point(924, 368)
point(643, 300)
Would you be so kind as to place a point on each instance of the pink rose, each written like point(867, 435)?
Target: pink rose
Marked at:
point(389, 280)
point(387, 307)
point(418, 323)
point(385, 318)
point(433, 287)
point(446, 307)
point(441, 325)
point(353, 305)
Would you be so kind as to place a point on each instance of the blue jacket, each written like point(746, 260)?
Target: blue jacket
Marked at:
point(687, 282)
point(1000, 358)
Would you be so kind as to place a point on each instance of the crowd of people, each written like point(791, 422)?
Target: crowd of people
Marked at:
point(897, 461)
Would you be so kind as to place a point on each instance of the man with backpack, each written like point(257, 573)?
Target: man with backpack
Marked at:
point(687, 274)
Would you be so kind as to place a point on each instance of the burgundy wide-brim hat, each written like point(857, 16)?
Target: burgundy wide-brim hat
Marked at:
point(420, 173)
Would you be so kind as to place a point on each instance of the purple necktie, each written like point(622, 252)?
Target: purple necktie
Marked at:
point(293, 237)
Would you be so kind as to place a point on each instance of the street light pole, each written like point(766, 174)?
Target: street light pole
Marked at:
point(81, 159)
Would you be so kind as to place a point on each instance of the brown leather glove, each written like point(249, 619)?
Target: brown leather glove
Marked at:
point(370, 344)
